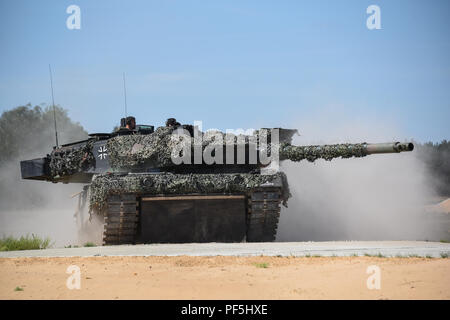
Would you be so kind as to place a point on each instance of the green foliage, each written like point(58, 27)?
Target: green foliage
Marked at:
point(24, 243)
point(378, 255)
point(262, 265)
point(26, 133)
point(18, 289)
point(28, 130)
point(444, 255)
point(89, 244)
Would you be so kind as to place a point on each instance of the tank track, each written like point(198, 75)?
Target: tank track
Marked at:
point(263, 214)
point(121, 219)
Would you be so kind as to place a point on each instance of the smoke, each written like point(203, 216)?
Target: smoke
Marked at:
point(378, 197)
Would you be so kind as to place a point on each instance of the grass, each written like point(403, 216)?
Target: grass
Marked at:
point(262, 265)
point(309, 255)
point(379, 255)
point(445, 241)
point(18, 289)
point(89, 244)
point(71, 246)
point(27, 242)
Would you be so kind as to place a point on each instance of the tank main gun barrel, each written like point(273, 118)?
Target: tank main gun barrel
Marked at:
point(392, 147)
point(345, 150)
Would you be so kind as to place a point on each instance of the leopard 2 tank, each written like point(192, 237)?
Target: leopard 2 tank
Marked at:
point(178, 184)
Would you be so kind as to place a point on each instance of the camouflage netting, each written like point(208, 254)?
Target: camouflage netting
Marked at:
point(327, 152)
point(154, 150)
point(68, 161)
point(167, 183)
point(134, 150)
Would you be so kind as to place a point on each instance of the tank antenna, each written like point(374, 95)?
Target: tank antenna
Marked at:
point(125, 94)
point(53, 103)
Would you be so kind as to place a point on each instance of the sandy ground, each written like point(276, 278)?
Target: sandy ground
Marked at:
point(222, 277)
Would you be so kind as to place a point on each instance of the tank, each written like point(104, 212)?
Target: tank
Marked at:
point(178, 184)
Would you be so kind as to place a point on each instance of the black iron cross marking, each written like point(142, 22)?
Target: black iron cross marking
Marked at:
point(102, 152)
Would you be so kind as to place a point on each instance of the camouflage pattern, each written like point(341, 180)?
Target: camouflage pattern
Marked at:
point(68, 161)
point(327, 152)
point(138, 152)
point(166, 183)
point(154, 150)
point(135, 150)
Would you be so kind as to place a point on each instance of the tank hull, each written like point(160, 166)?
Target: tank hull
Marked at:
point(250, 214)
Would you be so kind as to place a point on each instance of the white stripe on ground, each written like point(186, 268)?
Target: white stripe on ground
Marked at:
point(332, 248)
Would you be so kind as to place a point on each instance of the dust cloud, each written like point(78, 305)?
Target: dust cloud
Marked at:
point(378, 197)
point(36, 207)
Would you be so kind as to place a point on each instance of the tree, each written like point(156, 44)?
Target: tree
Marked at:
point(28, 131)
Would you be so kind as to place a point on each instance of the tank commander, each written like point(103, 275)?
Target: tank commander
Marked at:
point(130, 123)
point(172, 122)
point(127, 125)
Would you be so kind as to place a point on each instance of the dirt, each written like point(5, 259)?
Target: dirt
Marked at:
point(225, 278)
point(445, 206)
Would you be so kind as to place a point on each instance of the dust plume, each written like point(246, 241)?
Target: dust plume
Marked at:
point(35, 207)
point(378, 197)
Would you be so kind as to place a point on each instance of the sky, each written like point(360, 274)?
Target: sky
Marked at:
point(232, 64)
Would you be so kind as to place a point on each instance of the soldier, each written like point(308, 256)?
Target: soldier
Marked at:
point(130, 123)
point(172, 122)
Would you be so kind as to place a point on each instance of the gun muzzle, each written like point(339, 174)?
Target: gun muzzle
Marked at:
point(392, 147)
